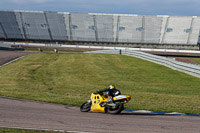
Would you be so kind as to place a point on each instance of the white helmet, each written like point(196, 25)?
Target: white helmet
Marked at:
point(112, 87)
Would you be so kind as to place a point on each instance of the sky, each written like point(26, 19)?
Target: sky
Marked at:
point(141, 7)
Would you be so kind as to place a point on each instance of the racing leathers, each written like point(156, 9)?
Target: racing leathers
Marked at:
point(110, 92)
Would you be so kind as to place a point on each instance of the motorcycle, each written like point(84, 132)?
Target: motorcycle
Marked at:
point(99, 103)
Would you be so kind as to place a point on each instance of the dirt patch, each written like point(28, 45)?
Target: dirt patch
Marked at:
point(184, 59)
point(6, 56)
point(173, 54)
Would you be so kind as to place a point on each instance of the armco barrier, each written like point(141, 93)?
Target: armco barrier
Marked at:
point(103, 47)
point(168, 62)
point(105, 51)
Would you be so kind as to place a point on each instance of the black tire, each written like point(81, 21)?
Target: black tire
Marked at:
point(117, 110)
point(85, 107)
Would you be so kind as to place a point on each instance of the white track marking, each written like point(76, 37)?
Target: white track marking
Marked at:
point(11, 61)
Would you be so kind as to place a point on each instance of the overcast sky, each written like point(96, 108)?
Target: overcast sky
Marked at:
point(142, 7)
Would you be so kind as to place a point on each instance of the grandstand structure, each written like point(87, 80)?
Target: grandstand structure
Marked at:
point(99, 28)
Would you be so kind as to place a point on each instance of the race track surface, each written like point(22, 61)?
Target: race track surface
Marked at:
point(37, 115)
point(6, 56)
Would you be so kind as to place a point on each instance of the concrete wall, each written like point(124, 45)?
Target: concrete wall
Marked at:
point(35, 25)
point(128, 28)
point(83, 27)
point(20, 23)
point(115, 27)
point(175, 32)
point(152, 29)
point(56, 25)
point(9, 25)
point(67, 25)
point(194, 31)
point(2, 34)
point(119, 28)
point(104, 27)
point(163, 28)
point(138, 29)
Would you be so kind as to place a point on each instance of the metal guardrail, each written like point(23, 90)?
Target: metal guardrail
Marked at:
point(102, 47)
point(4, 44)
point(105, 51)
point(168, 62)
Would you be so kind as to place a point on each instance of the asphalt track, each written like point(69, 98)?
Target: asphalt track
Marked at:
point(7, 56)
point(19, 113)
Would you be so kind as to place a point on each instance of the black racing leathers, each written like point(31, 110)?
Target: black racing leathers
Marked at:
point(111, 92)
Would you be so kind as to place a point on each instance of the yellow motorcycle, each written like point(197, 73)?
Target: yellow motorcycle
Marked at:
point(99, 103)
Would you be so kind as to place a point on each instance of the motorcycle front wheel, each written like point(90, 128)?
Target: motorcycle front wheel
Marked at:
point(117, 109)
point(85, 107)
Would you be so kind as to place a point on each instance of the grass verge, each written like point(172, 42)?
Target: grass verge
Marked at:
point(197, 60)
point(5, 130)
point(69, 78)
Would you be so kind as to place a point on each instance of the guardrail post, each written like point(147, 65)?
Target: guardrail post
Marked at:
point(120, 51)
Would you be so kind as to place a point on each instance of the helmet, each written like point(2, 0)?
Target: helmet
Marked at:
point(112, 87)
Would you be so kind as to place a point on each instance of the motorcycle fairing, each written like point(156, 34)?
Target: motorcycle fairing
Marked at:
point(96, 101)
point(119, 97)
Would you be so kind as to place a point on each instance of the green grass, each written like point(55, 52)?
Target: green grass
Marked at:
point(197, 60)
point(70, 78)
point(5, 130)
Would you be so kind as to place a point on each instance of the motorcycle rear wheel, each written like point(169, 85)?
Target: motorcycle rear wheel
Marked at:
point(85, 107)
point(117, 110)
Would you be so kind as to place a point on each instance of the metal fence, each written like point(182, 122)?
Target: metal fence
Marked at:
point(105, 51)
point(4, 44)
point(168, 62)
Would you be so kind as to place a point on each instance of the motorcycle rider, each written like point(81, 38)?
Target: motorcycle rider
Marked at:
point(111, 92)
